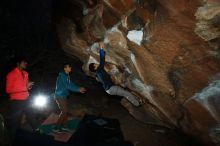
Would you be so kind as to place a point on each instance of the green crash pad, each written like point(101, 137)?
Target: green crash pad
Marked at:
point(48, 128)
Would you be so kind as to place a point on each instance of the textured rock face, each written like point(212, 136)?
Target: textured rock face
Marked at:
point(208, 25)
point(174, 67)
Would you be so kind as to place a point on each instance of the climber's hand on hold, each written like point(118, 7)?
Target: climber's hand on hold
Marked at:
point(101, 45)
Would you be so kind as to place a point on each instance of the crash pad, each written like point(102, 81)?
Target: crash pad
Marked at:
point(49, 124)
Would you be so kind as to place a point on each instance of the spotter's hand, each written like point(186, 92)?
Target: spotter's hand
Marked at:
point(30, 84)
point(82, 90)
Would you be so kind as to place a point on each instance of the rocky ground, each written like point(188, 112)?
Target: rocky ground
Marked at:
point(140, 134)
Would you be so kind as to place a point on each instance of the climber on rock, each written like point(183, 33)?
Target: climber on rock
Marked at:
point(103, 77)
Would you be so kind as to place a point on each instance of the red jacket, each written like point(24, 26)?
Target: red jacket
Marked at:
point(16, 84)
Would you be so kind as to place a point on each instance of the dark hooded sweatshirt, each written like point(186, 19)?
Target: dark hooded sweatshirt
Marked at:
point(101, 74)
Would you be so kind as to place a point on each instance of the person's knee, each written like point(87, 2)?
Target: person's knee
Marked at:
point(125, 102)
point(64, 111)
point(136, 102)
point(63, 107)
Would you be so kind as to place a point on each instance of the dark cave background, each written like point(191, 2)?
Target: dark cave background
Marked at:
point(28, 29)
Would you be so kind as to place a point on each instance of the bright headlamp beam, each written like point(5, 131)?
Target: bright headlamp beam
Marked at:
point(40, 101)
